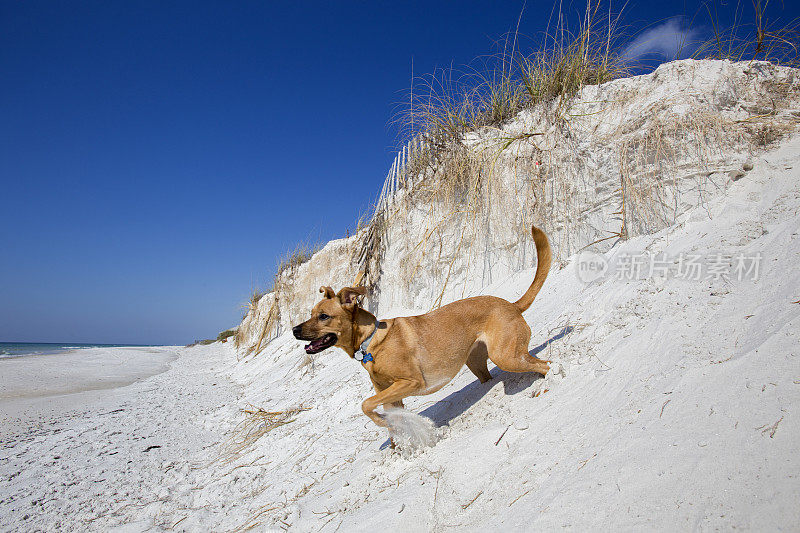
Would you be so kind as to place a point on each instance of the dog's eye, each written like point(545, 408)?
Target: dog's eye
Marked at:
point(323, 316)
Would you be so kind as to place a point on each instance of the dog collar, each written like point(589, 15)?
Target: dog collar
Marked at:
point(362, 355)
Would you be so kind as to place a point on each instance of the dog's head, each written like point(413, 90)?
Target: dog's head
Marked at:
point(332, 320)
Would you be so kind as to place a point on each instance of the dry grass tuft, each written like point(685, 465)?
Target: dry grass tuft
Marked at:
point(590, 56)
point(775, 42)
point(255, 297)
point(268, 329)
point(257, 423)
point(224, 335)
point(251, 306)
point(296, 257)
point(269, 324)
point(764, 135)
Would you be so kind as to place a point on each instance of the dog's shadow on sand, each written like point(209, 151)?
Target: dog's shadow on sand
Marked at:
point(456, 403)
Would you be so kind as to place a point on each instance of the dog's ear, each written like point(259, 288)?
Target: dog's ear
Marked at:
point(327, 291)
point(349, 296)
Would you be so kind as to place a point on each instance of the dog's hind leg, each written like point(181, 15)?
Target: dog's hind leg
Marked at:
point(476, 361)
point(508, 349)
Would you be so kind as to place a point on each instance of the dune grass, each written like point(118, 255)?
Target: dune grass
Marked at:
point(223, 336)
point(757, 39)
point(448, 103)
point(457, 175)
point(295, 257)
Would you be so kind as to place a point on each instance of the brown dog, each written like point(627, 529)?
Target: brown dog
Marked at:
point(416, 355)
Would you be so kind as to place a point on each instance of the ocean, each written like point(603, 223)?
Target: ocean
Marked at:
point(19, 349)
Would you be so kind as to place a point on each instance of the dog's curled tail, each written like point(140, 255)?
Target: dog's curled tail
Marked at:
point(544, 260)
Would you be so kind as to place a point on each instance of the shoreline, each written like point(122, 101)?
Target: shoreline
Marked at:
point(12, 350)
point(73, 371)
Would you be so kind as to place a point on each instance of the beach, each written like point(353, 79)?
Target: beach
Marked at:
point(80, 370)
point(73, 460)
point(36, 389)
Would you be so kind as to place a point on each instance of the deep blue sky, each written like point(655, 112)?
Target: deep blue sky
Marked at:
point(157, 158)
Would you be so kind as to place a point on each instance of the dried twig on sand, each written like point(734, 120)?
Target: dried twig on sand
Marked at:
point(256, 424)
point(770, 429)
point(463, 507)
point(662, 408)
point(501, 436)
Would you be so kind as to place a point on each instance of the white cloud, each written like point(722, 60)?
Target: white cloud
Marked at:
point(665, 40)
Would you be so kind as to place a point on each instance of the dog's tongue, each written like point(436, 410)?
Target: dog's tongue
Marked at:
point(315, 345)
point(320, 344)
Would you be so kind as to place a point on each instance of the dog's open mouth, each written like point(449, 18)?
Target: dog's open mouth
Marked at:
point(324, 342)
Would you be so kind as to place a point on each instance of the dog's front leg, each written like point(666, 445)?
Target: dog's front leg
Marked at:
point(394, 393)
point(398, 404)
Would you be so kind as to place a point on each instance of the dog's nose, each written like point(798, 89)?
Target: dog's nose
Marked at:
point(297, 331)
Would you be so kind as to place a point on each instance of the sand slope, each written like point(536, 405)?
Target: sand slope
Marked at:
point(673, 405)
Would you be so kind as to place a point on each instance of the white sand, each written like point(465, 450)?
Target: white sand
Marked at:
point(79, 370)
point(39, 387)
point(97, 453)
